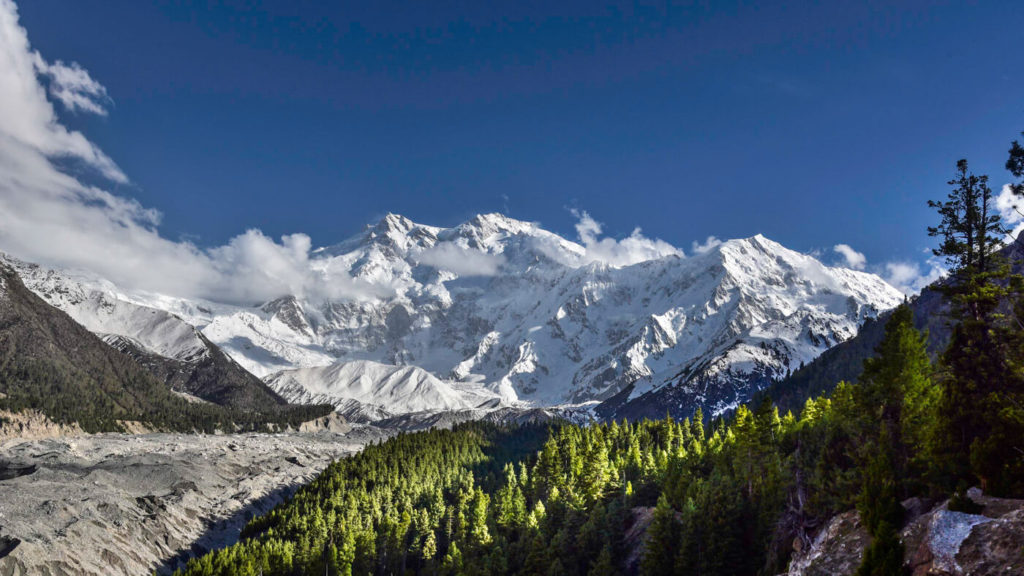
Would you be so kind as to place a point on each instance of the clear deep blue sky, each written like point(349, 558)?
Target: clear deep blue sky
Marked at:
point(813, 124)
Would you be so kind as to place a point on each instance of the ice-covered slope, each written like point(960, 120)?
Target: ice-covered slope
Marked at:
point(391, 389)
point(533, 317)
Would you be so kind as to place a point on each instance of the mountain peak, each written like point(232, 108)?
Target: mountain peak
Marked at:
point(394, 223)
point(495, 221)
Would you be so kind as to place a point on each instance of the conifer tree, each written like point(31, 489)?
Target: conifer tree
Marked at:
point(698, 425)
point(884, 556)
point(982, 361)
point(896, 394)
point(971, 233)
point(662, 541)
point(604, 564)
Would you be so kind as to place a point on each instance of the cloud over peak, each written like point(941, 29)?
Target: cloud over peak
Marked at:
point(706, 247)
point(633, 249)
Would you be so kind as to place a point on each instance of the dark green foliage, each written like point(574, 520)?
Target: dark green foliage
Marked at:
point(960, 502)
point(884, 556)
point(898, 399)
point(481, 499)
point(877, 502)
point(662, 541)
point(971, 230)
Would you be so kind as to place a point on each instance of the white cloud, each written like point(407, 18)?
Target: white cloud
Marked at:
point(72, 86)
point(708, 244)
point(461, 260)
point(633, 249)
point(909, 278)
point(27, 118)
point(854, 259)
point(49, 216)
point(1011, 208)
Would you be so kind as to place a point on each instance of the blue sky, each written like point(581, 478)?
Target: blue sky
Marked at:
point(814, 124)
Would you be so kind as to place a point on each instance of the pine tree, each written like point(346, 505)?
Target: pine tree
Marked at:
point(884, 555)
point(896, 395)
point(452, 563)
point(604, 564)
point(982, 364)
point(971, 232)
point(698, 426)
point(662, 541)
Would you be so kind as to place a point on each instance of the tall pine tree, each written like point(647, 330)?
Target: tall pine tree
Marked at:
point(896, 395)
point(980, 367)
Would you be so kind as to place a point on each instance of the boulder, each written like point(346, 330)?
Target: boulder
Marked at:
point(938, 541)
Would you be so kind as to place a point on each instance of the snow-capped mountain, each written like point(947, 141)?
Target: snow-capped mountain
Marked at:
point(500, 311)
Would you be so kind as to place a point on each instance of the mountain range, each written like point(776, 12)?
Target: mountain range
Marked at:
point(493, 313)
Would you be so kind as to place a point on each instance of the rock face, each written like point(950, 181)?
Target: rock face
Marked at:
point(939, 542)
point(33, 424)
point(117, 504)
point(836, 550)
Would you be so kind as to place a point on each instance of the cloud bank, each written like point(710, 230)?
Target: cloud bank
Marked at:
point(633, 249)
point(73, 87)
point(47, 215)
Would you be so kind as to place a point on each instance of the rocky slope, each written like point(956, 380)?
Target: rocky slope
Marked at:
point(51, 363)
point(115, 504)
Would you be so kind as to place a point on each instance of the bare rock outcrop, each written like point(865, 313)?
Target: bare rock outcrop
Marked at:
point(33, 424)
point(938, 541)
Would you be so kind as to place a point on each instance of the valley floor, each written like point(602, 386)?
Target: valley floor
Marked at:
point(132, 504)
